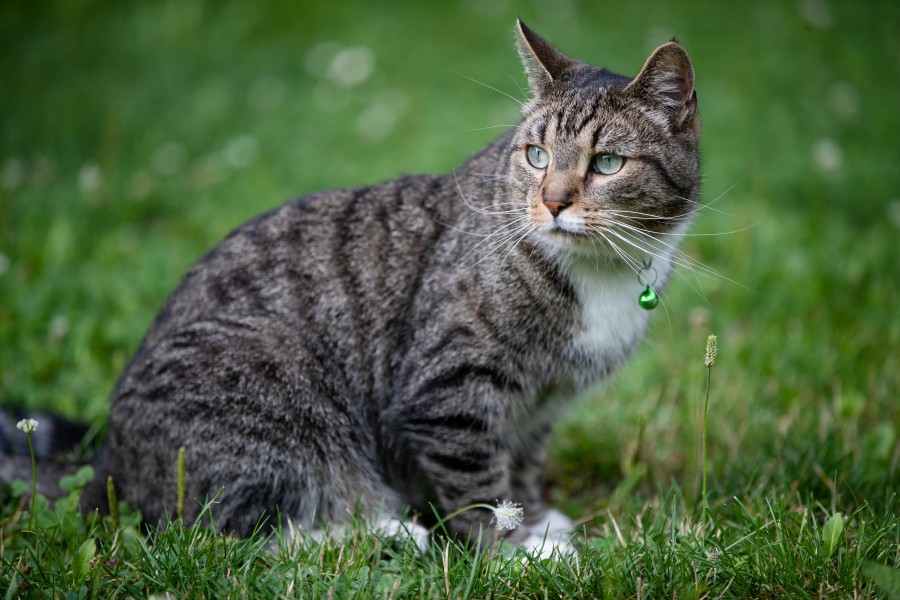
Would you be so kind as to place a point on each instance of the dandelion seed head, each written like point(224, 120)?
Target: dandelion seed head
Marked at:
point(27, 425)
point(712, 348)
point(507, 516)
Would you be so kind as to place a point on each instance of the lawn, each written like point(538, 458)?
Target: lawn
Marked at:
point(135, 135)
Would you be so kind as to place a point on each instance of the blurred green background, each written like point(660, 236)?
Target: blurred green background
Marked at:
point(135, 135)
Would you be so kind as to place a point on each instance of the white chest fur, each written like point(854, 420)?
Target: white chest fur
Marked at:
point(611, 321)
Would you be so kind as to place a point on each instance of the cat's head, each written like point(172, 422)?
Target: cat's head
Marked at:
point(600, 158)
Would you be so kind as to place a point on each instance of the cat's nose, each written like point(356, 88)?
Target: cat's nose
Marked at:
point(556, 204)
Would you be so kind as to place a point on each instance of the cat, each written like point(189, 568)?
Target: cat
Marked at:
point(408, 345)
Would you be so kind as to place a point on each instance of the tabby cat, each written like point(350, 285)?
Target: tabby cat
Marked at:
point(408, 345)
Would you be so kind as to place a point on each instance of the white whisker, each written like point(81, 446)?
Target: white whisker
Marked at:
point(490, 127)
point(635, 266)
point(477, 209)
point(677, 256)
point(528, 231)
point(493, 248)
point(708, 205)
point(696, 207)
point(490, 87)
point(491, 242)
point(518, 84)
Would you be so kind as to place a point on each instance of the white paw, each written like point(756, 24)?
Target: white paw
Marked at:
point(295, 537)
point(543, 548)
point(550, 536)
point(393, 527)
point(382, 526)
point(555, 527)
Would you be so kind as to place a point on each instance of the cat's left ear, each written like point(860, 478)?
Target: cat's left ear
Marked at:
point(543, 63)
point(668, 79)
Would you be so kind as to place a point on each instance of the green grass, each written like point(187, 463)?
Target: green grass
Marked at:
point(135, 135)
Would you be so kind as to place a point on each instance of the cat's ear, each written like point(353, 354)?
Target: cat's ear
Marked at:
point(668, 79)
point(543, 63)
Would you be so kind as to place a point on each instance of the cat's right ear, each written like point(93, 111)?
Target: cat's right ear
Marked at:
point(543, 63)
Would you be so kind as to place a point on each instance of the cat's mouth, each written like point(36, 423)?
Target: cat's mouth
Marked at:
point(565, 236)
point(562, 230)
point(566, 233)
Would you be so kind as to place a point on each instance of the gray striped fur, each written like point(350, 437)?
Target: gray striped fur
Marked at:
point(411, 342)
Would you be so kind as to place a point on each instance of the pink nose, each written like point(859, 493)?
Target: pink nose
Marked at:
point(556, 206)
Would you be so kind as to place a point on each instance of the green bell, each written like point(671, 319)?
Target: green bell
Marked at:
point(648, 300)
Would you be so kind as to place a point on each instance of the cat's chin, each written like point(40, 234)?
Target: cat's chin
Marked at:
point(567, 245)
point(569, 240)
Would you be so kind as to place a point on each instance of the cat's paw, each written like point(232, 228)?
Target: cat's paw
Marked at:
point(382, 526)
point(554, 526)
point(550, 536)
point(399, 529)
point(542, 548)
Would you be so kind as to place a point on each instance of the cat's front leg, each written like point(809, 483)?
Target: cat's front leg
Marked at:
point(474, 472)
point(470, 469)
point(548, 529)
point(461, 459)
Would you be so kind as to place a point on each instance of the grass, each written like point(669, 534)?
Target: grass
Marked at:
point(136, 135)
point(772, 549)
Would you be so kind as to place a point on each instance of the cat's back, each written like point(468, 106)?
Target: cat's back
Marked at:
point(339, 272)
point(336, 259)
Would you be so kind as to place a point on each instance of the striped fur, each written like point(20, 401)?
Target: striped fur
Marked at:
point(412, 342)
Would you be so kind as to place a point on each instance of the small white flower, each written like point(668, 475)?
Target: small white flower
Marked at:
point(27, 425)
point(712, 348)
point(507, 516)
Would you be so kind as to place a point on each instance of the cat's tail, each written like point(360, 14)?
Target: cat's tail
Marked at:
point(54, 439)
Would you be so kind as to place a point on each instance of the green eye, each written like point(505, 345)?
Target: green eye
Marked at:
point(607, 164)
point(537, 157)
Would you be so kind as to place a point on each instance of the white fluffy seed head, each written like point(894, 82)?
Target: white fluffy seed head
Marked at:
point(507, 516)
point(27, 425)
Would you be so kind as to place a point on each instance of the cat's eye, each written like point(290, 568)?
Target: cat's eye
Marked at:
point(607, 164)
point(537, 157)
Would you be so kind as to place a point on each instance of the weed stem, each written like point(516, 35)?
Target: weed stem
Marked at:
point(33, 477)
point(709, 359)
